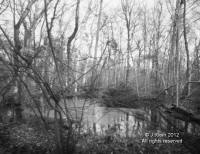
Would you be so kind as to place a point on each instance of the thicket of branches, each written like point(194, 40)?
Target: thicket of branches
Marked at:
point(55, 49)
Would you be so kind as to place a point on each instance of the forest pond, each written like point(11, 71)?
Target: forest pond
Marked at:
point(104, 120)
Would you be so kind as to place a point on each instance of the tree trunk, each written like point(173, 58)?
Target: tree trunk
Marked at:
point(58, 130)
point(96, 47)
point(177, 56)
point(17, 48)
point(186, 48)
point(69, 54)
point(128, 53)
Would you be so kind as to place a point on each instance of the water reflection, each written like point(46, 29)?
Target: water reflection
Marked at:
point(109, 121)
point(104, 120)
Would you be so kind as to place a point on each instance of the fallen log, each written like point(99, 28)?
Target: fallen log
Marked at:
point(190, 141)
point(181, 114)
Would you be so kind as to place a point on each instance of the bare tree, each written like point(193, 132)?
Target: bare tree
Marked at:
point(127, 8)
point(96, 45)
point(186, 46)
point(70, 39)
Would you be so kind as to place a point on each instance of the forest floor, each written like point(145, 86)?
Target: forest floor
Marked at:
point(23, 138)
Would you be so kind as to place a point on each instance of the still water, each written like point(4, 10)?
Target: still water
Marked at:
point(103, 120)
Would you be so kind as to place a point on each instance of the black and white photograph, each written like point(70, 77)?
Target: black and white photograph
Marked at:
point(99, 77)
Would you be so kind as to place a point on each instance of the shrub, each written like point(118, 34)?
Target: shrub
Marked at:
point(120, 96)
